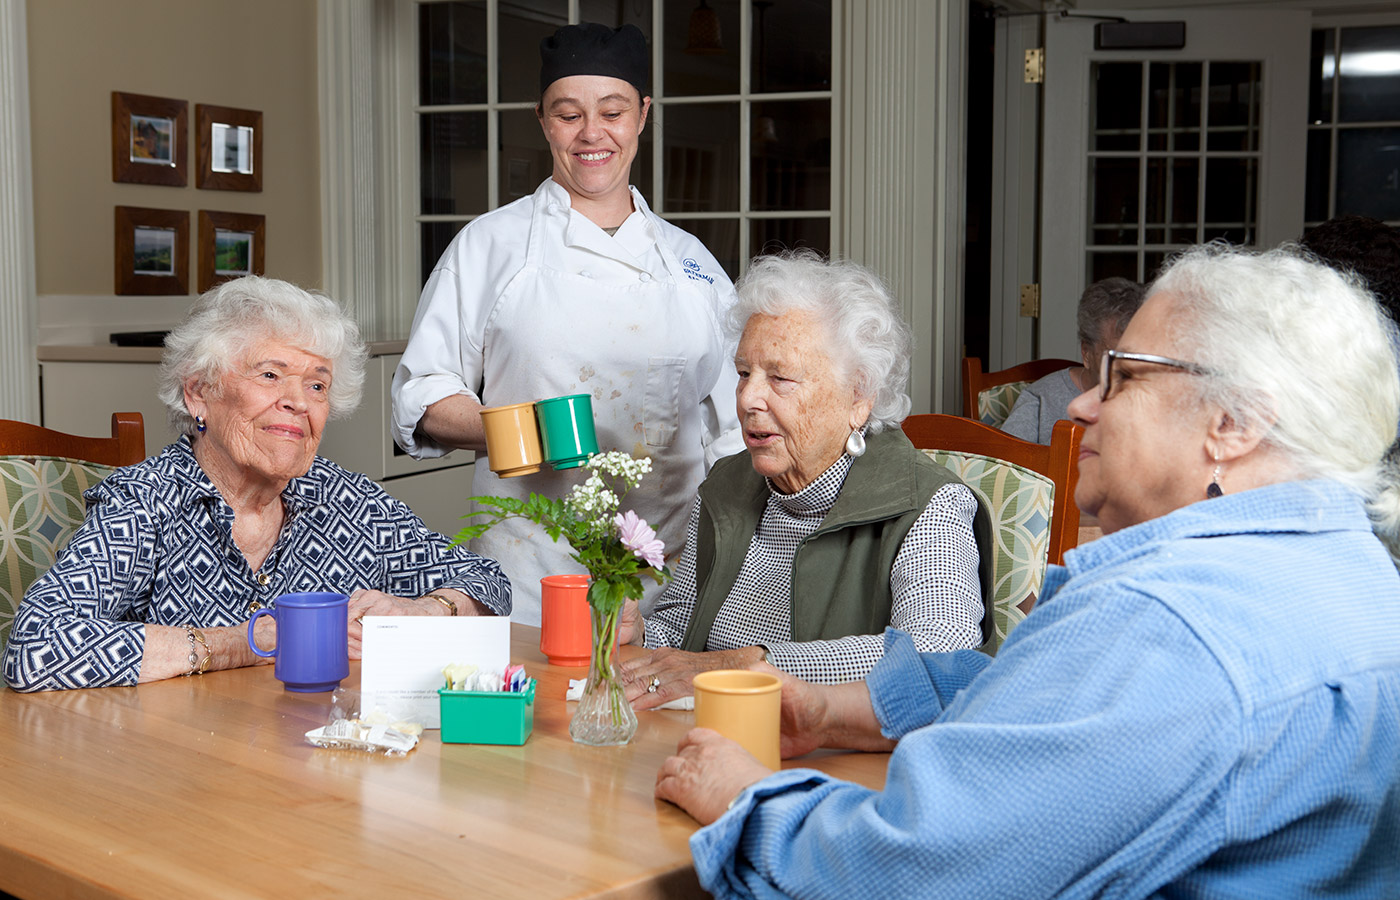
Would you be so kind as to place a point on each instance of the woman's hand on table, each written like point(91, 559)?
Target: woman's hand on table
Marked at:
point(707, 773)
point(670, 671)
point(168, 647)
point(366, 602)
point(827, 715)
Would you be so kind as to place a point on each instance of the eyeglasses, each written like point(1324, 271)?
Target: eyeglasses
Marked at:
point(1106, 367)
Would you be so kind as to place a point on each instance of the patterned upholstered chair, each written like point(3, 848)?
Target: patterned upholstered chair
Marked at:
point(43, 474)
point(989, 396)
point(1029, 491)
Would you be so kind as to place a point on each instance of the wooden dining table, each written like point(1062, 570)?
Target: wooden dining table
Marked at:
point(206, 787)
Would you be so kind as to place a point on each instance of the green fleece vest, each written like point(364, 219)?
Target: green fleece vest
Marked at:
point(840, 579)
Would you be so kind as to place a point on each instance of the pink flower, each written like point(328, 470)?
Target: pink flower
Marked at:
point(639, 537)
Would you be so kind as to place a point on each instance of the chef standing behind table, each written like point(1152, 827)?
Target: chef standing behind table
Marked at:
point(578, 288)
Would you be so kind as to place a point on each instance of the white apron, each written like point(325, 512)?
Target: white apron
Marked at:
point(647, 352)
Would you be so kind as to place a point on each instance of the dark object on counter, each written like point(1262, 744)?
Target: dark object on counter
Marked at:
point(138, 338)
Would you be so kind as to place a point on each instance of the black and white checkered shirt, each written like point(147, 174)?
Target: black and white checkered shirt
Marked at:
point(937, 596)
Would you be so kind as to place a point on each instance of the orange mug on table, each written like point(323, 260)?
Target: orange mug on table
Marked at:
point(566, 620)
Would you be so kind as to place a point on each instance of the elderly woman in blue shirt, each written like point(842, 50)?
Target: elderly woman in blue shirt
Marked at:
point(1205, 702)
point(177, 552)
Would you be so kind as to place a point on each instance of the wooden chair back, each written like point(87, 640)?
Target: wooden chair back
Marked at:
point(43, 474)
point(126, 446)
point(1058, 461)
point(975, 381)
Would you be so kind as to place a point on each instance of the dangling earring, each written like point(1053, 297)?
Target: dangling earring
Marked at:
point(199, 424)
point(855, 444)
point(1213, 489)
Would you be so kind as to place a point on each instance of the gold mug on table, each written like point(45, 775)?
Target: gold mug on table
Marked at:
point(745, 707)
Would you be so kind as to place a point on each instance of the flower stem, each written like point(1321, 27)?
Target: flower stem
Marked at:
point(604, 675)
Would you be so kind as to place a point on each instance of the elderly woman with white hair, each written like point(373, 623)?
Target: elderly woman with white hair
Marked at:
point(1205, 702)
point(832, 526)
point(177, 552)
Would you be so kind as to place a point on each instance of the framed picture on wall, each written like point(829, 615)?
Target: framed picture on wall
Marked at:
point(230, 246)
point(228, 154)
point(148, 139)
point(152, 251)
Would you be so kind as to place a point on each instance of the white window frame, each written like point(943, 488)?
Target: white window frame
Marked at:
point(897, 154)
point(1334, 24)
point(660, 102)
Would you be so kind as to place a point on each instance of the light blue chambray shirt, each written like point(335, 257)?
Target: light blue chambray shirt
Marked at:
point(1204, 705)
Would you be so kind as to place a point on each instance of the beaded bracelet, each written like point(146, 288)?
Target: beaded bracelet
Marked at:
point(197, 665)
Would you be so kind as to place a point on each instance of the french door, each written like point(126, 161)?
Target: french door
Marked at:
point(1147, 152)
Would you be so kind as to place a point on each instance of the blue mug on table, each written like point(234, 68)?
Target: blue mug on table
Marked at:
point(311, 649)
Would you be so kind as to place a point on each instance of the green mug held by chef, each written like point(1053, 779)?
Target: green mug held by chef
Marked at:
point(566, 430)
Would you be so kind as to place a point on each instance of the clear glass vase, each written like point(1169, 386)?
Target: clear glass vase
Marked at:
point(604, 718)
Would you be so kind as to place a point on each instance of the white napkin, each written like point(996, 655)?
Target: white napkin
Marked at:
point(576, 691)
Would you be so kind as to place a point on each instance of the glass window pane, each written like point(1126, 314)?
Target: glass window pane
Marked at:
point(1113, 187)
point(452, 53)
point(1231, 195)
point(720, 237)
point(521, 27)
point(1320, 73)
point(435, 238)
point(1110, 265)
point(1233, 117)
point(790, 155)
point(1319, 181)
point(616, 13)
point(1152, 264)
point(702, 47)
point(1117, 101)
point(774, 235)
point(1368, 172)
point(1174, 106)
point(642, 165)
point(1369, 82)
point(452, 169)
point(525, 159)
point(1172, 186)
point(701, 158)
point(791, 46)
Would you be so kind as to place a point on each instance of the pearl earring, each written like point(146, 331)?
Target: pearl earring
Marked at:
point(855, 444)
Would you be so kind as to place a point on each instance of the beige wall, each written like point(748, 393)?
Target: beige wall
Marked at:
point(252, 54)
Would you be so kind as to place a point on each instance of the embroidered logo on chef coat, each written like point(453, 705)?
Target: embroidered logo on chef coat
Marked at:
point(693, 272)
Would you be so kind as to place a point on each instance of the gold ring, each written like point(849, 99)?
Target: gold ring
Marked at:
point(655, 683)
point(360, 620)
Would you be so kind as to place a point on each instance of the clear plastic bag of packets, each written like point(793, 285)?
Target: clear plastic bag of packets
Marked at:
point(348, 727)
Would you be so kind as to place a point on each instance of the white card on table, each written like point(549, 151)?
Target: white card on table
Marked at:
point(404, 657)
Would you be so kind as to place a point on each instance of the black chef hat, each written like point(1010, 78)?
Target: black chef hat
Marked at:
point(591, 49)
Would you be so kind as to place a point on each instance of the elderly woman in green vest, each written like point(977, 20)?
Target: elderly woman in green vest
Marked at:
point(832, 526)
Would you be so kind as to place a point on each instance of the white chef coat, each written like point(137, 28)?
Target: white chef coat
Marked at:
point(534, 300)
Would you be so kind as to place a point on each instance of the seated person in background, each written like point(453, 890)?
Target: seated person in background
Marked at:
point(1206, 703)
point(178, 551)
point(1104, 310)
point(832, 526)
point(1366, 246)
